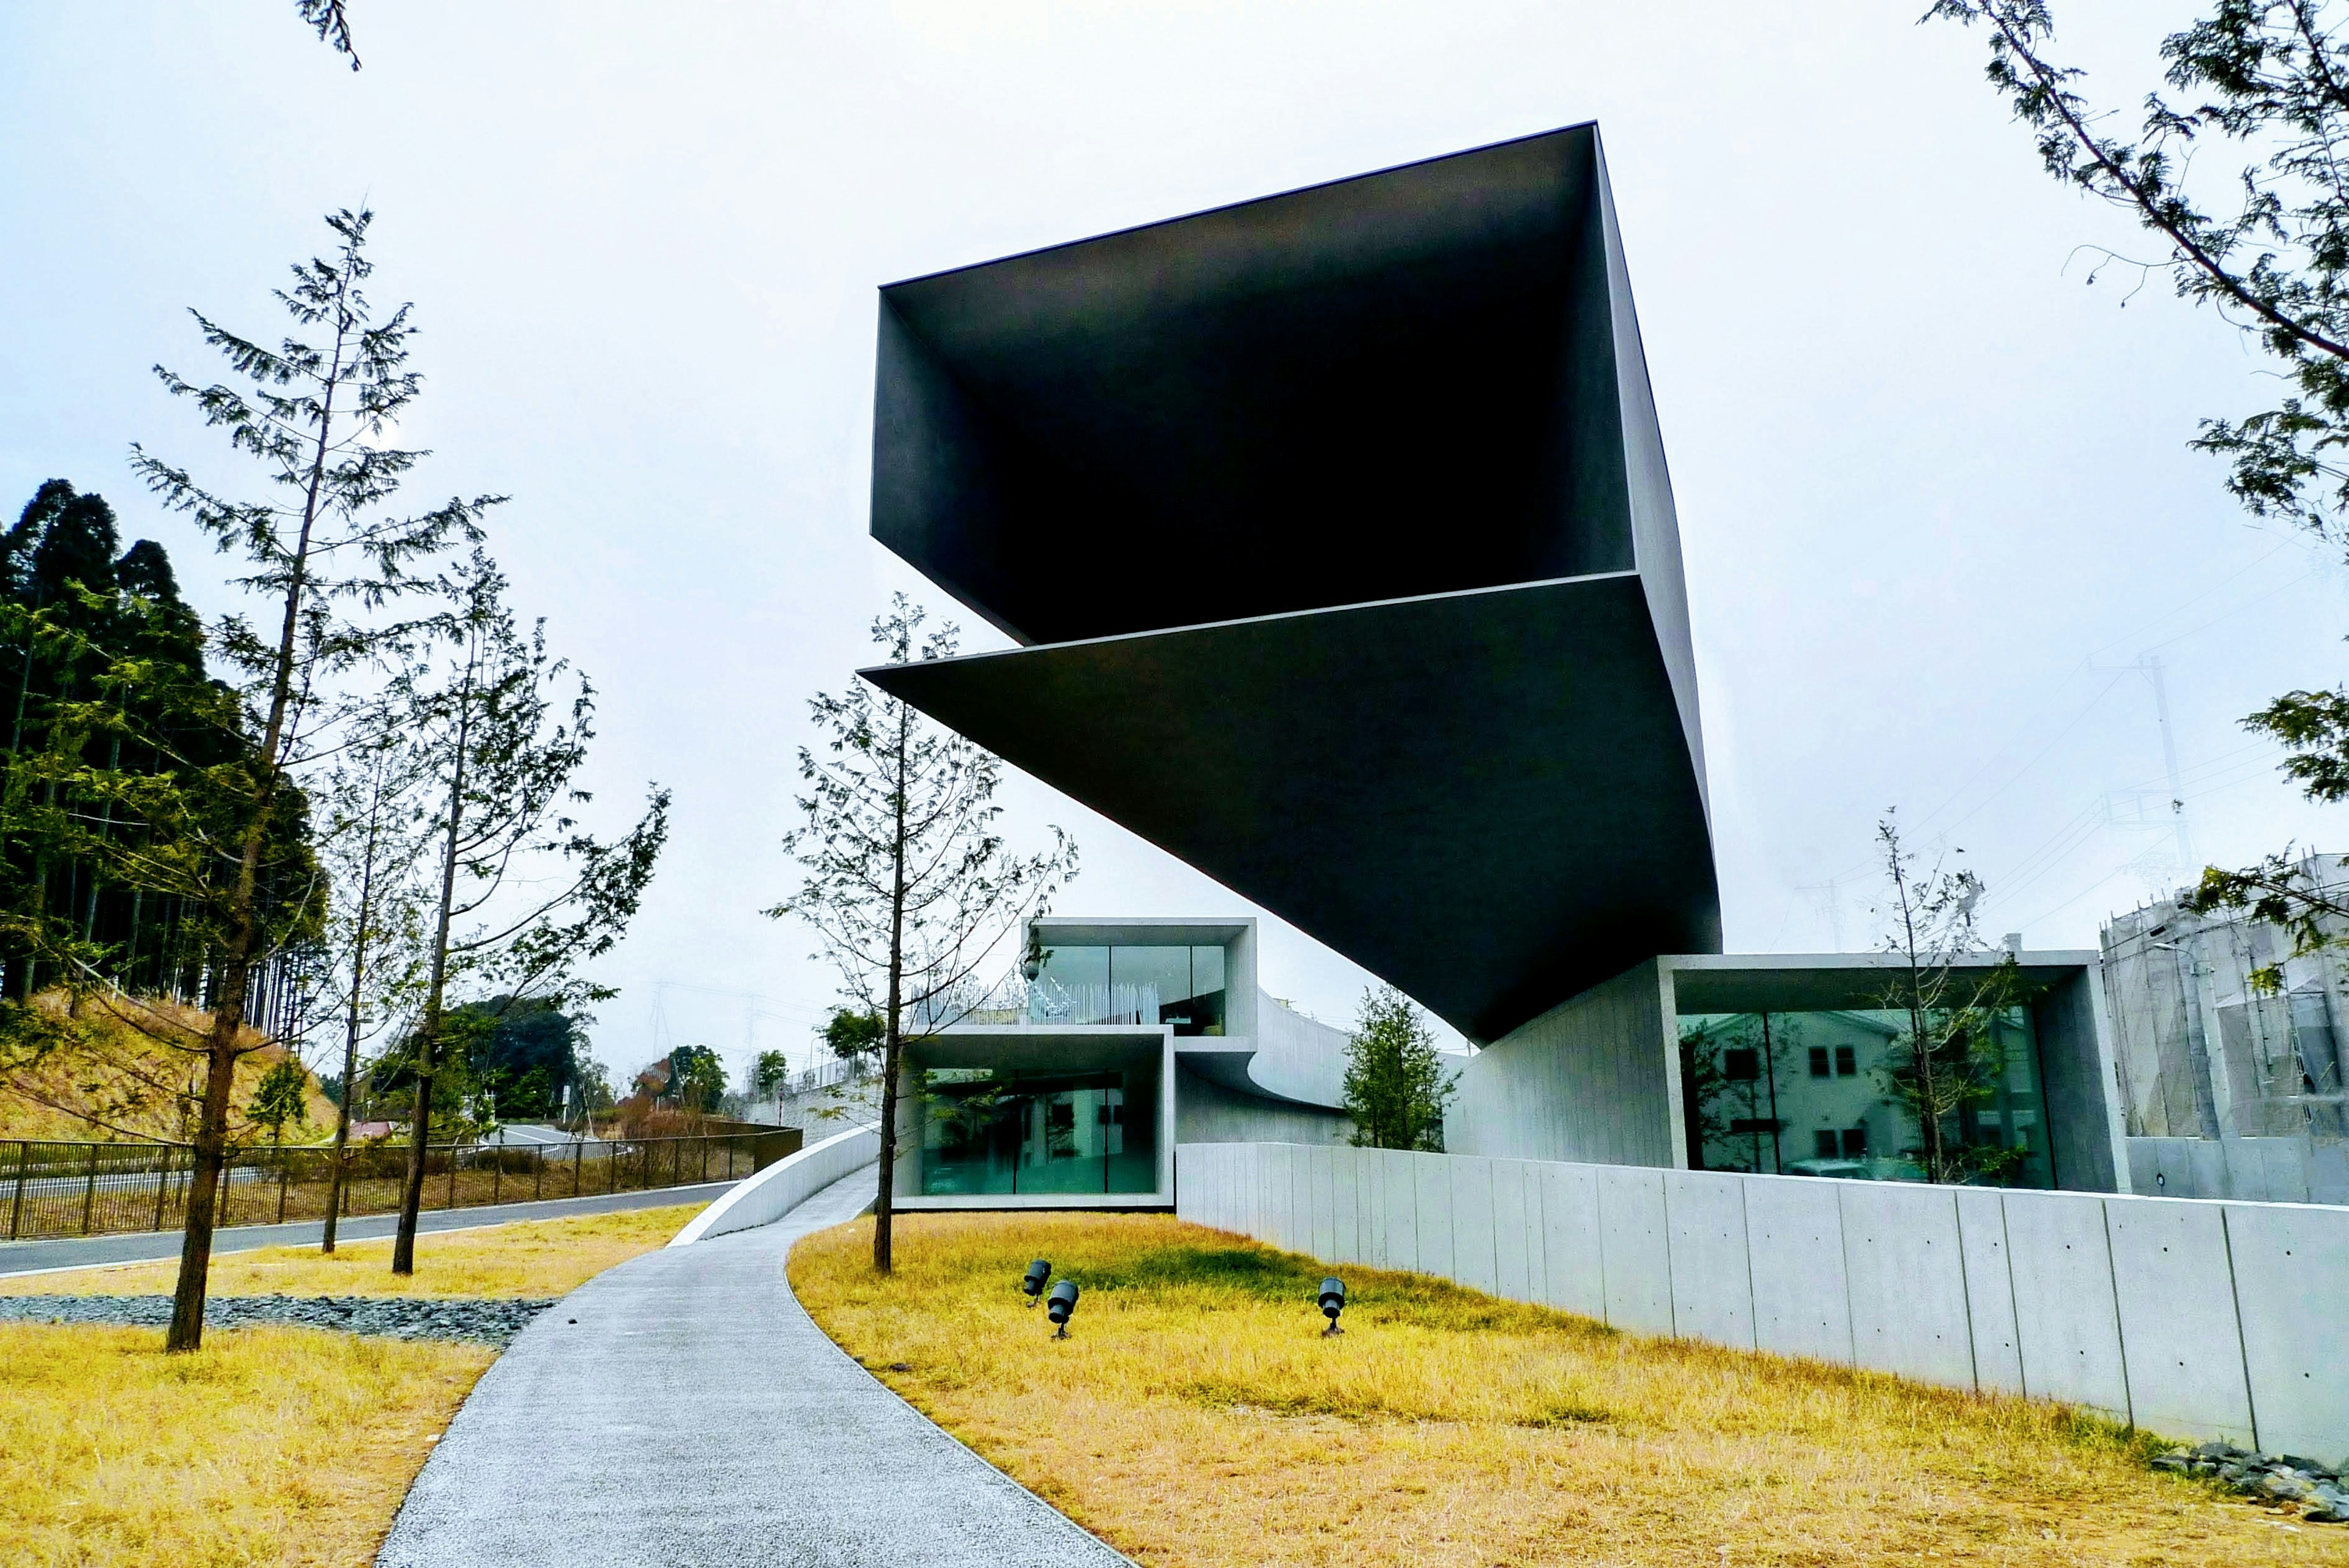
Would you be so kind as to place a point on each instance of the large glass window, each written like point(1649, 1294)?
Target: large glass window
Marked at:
point(986, 1132)
point(1834, 1093)
point(1182, 986)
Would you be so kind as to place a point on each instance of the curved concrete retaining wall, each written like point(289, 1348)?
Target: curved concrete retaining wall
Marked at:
point(2201, 1319)
point(784, 1185)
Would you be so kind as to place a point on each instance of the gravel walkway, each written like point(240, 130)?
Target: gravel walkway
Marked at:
point(484, 1320)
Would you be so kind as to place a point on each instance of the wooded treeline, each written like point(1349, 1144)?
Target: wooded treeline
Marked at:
point(73, 605)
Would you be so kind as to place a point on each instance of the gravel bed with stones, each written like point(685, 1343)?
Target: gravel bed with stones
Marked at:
point(2272, 1478)
point(486, 1321)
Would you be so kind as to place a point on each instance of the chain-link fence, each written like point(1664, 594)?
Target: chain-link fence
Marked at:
point(93, 1189)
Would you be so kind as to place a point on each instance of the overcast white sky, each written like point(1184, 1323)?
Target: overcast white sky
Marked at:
point(1932, 487)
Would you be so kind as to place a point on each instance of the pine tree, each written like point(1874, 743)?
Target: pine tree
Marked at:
point(315, 415)
point(1396, 1089)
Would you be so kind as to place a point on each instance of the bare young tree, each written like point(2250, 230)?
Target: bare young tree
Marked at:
point(526, 895)
point(1949, 1056)
point(908, 883)
point(373, 843)
point(315, 415)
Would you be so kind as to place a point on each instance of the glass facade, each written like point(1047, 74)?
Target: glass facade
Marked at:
point(1182, 986)
point(986, 1131)
point(1830, 1093)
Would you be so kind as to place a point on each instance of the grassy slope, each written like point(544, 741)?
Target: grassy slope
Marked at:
point(113, 1081)
point(1197, 1417)
point(269, 1446)
point(536, 1258)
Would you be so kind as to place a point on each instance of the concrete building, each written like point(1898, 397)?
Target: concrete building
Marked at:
point(1070, 1084)
point(1337, 539)
point(2229, 1088)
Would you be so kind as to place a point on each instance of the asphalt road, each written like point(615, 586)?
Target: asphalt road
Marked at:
point(83, 1252)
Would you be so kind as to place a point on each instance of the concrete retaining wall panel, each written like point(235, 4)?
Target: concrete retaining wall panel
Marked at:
point(1572, 1278)
point(768, 1196)
point(2207, 1157)
point(1345, 1189)
point(1990, 1289)
point(1370, 1207)
point(1431, 1184)
point(2064, 1313)
point(2184, 1350)
point(1635, 1249)
point(2292, 1279)
point(1321, 1182)
point(1908, 1277)
point(1712, 1286)
point(1517, 1231)
point(1794, 1240)
point(1399, 1180)
point(1473, 1261)
point(1281, 1194)
point(1301, 1176)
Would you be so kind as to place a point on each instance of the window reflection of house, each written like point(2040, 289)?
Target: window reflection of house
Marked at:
point(1836, 1117)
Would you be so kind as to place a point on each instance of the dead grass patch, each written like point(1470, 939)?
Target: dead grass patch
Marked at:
point(271, 1446)
point(531, 1258)
point(1197, 1418)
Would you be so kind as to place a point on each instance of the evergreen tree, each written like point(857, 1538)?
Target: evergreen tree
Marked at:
point(313, 414)
point(281, 1097)
point(696, 1079)
point(1396, 1089)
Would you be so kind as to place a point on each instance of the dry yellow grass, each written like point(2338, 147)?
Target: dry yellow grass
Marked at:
point(1197, 1418)
point(529, 1258)
point(281, 1446)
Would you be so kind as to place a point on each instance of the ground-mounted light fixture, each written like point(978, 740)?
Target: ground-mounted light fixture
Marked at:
point(1333, 1302)
point(1033, 1286)
point(1063, 1303)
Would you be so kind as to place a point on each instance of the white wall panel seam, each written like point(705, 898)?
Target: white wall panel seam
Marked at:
point(2242, 1340)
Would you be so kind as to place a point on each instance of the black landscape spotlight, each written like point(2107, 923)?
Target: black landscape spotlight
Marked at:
point(1063, 1303)
point(1333, 1302)
point(1038, 1273)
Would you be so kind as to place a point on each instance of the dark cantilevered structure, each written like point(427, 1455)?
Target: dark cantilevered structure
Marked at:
point(1336, 532)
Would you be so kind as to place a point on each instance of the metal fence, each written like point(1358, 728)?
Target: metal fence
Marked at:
point(95, 1189)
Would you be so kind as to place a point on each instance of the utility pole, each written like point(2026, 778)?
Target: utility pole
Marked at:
point(2150, 666)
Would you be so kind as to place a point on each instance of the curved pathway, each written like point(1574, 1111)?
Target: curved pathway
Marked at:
point(682, 1410)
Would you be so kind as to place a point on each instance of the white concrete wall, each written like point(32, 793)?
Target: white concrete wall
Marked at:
point(1592, 1079)
point(2192, 1319)
point(2258, 1169)
point(1207, 1112)
point(784, 1185)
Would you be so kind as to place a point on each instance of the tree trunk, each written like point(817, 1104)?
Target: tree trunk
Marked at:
point(352, 1016)
point(187, 1330)
point(411, 1193)
point(893, 1041)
